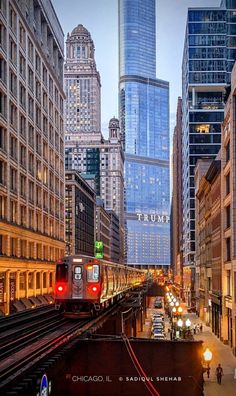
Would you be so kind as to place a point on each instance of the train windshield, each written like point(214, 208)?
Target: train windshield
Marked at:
point(93, 273)
point(62, 273)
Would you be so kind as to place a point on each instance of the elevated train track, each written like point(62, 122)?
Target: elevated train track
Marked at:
point(84, 285)
point(24, 352)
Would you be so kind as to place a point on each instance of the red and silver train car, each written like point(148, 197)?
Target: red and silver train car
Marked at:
point(85, 285)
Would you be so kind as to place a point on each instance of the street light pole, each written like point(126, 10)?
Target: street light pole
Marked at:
point(207, 355)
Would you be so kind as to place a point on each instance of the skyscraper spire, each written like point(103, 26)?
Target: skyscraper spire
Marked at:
point(82, 84)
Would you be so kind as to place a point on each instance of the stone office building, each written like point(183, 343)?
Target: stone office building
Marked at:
point(228, 210)
point(216, 232)
point(100, 160)
point(208, 247)
point(177, 217)
point(31, 149)
point(80, 201)
point(115, 247)
point(208, 58)
point(103, 226)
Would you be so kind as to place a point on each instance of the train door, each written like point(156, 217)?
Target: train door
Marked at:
point(105, 281)
point(77, 282)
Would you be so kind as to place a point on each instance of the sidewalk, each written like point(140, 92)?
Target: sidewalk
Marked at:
point(220, 354)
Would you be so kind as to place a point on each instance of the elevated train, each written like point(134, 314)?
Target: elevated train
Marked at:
point(85, 285)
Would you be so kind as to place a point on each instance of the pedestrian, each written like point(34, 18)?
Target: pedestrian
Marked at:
point(219, 373)
point(201, 327)
point(197, 329)
point(194, 329)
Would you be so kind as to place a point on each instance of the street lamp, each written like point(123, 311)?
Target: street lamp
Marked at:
point(172, 304)
point(180, 323)
point(188, 322)
point(177, 303)
point(207, 355)
point(180, 310)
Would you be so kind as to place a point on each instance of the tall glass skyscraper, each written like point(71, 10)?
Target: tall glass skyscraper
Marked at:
point(144, 116)
point(208, 58)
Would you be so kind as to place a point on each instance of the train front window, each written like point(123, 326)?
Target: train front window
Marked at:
point(93, 273)
point(62, 273)
point(78, 273)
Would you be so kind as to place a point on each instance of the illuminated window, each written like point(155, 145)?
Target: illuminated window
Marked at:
point(204, 128)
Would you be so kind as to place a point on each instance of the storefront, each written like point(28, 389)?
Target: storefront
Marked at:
point(19, 283)
point(216, 315)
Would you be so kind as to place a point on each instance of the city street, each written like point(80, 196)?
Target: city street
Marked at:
point(117, 197)
point(220, 354)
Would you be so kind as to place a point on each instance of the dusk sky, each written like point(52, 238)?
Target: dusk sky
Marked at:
point(100, 17)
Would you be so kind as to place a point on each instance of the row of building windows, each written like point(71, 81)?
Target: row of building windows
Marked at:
point(9, 111)
point(40, 279)
point(29, 217)
point(34, 17)
point(22, 248)
point(208, 77)
point(19, 183)
point(34, 164)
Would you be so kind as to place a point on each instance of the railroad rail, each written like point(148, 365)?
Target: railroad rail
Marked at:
point(24, 317)
point(12, 341)
point(42, 344)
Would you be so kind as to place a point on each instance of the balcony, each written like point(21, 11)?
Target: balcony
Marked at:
point(206, 105)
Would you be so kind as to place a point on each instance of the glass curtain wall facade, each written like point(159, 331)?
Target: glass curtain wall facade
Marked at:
point(144, 116)
point(209, 54)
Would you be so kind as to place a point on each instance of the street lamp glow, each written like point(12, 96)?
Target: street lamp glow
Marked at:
point(174, 299)
point(172, 304)
point(180, 323)
point(174, 310)
point(207, 355)
point(180, 310)
point(188, 322)
point(177, 303)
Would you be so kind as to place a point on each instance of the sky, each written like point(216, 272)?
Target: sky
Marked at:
point(100, 17)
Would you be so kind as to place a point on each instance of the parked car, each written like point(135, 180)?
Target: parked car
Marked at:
point(157, 316)
point(158, 320)
point(158, 299)
point(159, 336)
point(158, 330)
point(158, 326)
